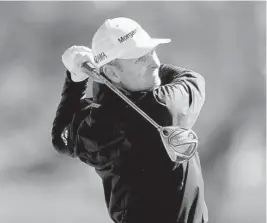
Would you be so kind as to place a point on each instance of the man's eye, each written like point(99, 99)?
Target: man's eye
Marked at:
point(141, 59)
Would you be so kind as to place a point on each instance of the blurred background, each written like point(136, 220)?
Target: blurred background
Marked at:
point(224, 41)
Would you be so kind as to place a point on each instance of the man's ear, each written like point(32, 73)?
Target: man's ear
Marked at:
point(111, 72)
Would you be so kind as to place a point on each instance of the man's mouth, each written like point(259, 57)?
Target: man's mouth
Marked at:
point(154, 67)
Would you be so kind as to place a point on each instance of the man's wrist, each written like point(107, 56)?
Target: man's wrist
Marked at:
point(72, 79)
point(75, 88)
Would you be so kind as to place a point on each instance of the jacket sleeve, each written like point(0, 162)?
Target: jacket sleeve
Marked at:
point(71, 96)
point(99, 142)
point(182, 92)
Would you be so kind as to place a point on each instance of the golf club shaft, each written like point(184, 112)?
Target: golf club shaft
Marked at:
point(121, 95)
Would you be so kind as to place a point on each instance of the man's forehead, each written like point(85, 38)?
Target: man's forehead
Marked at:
point(135, 59)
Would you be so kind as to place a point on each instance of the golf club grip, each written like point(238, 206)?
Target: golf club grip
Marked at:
point(89, 67)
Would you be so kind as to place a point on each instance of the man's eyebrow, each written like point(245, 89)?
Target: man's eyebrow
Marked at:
point(144, 57)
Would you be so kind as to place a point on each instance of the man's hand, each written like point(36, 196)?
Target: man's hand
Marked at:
point(73, 59)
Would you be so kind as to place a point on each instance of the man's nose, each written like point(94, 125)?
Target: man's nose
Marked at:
point(153, 61)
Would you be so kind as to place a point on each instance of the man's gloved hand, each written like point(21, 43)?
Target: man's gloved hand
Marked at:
point(73, 59)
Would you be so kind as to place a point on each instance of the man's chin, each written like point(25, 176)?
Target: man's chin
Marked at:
point(157, 81)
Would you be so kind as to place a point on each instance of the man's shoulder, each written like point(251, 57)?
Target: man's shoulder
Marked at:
point(171, 68)
point(168, 71)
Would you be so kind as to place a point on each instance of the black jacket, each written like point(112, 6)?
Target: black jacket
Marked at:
point(126, 151)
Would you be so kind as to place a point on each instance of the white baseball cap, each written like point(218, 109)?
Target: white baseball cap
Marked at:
point(121, 38)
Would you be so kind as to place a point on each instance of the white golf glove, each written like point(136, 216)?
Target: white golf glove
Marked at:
point(73, 59)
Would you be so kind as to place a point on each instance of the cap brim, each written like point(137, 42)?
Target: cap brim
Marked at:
point(143, 48)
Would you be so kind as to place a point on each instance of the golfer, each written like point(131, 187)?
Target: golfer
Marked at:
point(141, 183)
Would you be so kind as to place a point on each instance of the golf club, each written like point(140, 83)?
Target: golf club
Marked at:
point(180, 143)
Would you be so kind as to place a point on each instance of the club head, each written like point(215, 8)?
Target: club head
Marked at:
point(180, 143)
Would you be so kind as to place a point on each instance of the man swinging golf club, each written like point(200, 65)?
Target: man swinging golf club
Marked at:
point(149, 174)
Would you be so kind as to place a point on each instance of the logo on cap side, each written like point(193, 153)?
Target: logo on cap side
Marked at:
point(127, 36)
point(99, 57)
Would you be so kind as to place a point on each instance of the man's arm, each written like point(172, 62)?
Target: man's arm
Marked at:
point(71, 97)
point(182, 92)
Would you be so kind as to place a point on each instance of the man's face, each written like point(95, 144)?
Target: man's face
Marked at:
point(140, 74)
